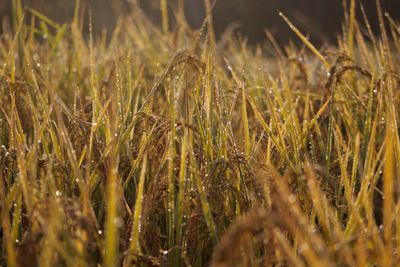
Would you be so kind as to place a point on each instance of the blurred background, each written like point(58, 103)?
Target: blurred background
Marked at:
point(321, 19)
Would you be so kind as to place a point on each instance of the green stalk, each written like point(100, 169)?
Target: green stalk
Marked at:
point(134, 246)
point(164, 15)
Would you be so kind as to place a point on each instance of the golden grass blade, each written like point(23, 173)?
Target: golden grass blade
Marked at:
point(134, 246)
point(306, 42)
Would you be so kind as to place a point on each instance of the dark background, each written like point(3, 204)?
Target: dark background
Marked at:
point(321, 19)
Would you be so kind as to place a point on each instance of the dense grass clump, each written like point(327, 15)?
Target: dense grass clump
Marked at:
point(171, 148)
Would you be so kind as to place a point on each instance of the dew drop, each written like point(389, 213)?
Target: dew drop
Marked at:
point(292, 198)
point(118, 222)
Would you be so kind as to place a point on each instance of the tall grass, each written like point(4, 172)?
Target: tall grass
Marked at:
point(168, 147)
